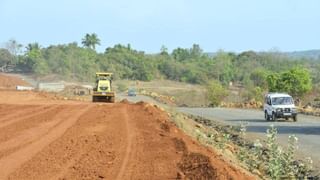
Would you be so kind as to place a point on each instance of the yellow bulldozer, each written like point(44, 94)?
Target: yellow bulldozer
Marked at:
point(103, 92)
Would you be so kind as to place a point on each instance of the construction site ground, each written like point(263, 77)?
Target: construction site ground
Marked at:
point(42, 137)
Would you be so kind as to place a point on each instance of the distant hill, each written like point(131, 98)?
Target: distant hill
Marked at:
point(310, 54)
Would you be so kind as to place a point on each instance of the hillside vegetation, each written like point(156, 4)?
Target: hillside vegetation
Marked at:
point(71, 61)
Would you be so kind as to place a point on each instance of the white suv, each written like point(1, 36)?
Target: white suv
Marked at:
point(279, 105)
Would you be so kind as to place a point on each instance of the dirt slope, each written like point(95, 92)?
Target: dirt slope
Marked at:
point(50, 139)
point(10, 82)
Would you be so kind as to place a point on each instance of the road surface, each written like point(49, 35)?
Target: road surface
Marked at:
point(307, 129)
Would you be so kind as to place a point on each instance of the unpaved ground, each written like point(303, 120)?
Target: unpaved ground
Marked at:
point(44, 138)
point(10, 82)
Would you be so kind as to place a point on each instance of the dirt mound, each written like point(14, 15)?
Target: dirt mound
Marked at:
point(10, 82)
point(66, 140)
point(196, 166)
point(124, 101)
point(180, 145)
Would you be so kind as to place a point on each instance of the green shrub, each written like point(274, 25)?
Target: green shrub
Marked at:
point(216, 93)
point(122, 87)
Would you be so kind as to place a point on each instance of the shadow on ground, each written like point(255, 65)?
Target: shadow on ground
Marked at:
point(305, 130)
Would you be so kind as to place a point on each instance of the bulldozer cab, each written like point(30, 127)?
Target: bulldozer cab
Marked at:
point(104, 76)
point(103, 82)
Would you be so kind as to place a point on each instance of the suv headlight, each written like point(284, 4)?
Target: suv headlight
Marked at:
point(294, 109)
point(278, 109)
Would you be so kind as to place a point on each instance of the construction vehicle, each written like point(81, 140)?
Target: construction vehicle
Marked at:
point(103, 92)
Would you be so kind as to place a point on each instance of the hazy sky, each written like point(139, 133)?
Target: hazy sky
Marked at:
point(232, 25)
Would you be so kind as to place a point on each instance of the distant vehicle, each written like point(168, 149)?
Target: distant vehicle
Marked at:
point(279, 105)
point(132, 92)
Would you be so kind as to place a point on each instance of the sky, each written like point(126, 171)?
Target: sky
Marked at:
point(231, 25)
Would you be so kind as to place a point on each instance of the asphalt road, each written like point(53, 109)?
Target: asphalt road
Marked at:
point(307, 128)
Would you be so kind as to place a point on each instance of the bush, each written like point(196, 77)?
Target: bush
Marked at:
point(122, 87)
point(296, 82)
point(254, 93)
point(216, 93)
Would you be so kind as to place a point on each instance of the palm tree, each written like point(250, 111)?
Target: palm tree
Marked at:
point(91, 40)
point(33, 46)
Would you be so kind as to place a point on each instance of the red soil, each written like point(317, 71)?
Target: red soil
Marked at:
point(42, 138)
point(10, 82)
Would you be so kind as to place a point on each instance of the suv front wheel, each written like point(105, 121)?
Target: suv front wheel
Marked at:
point(266, 116)
point(274, 117)
point(295, 118)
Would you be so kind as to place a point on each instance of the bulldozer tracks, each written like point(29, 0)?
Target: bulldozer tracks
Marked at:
point(9, 163)
point(129, 149)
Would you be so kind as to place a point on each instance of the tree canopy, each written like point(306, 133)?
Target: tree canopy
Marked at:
point(90, 41)
point(249, 69)
point(296, 81)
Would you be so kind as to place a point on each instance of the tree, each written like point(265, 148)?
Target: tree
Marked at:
point(180, 54)
point(196, 51)
point(223, 69)
point(259, 77)
point(34, 61)
point(5, 59)
point(91, 40)
point(5, 56)
point(14, 48)
point(216, 93)
point(272, 80)
point(164, 50)
point(296, 81)
point(33, 46)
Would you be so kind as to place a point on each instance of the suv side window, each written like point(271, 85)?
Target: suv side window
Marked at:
point(269, 100)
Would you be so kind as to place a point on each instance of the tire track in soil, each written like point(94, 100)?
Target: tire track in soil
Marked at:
point(10, 163)
point(9, 108)
point(17, 111)
point(25, 115)
point(33, 134)
point(90, 149)
point(129, 148)
point(98, 148)
point(22, 124)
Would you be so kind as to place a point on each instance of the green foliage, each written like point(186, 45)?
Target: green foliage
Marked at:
point(272, 160)
point(223, 67)
point(164, 50)
point(34, 60)
point(180, 54)
point(91, 40)
point(127, 63)
point(224, 140)
point(296, 81)
point(259, 77)
point(5, 57)
point(189, 65)
point(122, 87)
point(254, 93)
point(216, 93)
point(272, 80)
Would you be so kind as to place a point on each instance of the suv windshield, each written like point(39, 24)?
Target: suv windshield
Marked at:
point(282, 101)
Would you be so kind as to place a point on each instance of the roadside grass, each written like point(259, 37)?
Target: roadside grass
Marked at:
point(267, 159)
point(184, 94)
